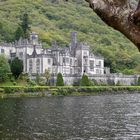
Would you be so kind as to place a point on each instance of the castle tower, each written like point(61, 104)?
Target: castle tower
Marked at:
point(73, 42)
point(73, 39)
point(34, 38)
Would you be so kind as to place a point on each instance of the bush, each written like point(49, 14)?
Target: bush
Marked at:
point(1, 90)
point(110, 82)
point(4, 68)
point(118, 83)
point(138, 81)
point(13, 89)
point(85, 81)
point(16, 67)
point(59, 80)
point(14, 83)
point(42, 82)
point(12, 79)
point(31, 83)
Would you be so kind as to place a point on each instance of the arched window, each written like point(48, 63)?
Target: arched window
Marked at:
point(30, 65)
point(38, 65)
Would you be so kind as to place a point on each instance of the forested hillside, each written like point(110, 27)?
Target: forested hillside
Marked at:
point(55, 19)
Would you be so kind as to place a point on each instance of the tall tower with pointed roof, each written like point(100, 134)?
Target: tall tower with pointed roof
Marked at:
point(73, 43)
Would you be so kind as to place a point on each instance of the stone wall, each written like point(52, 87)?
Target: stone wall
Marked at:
point(111, 79)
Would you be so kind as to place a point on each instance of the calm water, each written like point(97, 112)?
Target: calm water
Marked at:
point(106, 117)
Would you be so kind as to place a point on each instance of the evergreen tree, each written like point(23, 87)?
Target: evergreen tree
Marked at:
point(138, 81)
point(4, 68)
point(16, 67)
point(59, 81)
point(25, 25)
point(19, 33)
point(85, 81)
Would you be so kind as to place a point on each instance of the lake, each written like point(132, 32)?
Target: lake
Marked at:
point(103, 117)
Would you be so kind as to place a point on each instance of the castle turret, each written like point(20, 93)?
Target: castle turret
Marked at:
point(73, 43)
point(73, 39)
point(34, 38)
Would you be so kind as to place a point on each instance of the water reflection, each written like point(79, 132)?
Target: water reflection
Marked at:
point(108, 117)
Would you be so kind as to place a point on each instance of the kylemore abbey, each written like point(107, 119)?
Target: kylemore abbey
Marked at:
point(71, 61)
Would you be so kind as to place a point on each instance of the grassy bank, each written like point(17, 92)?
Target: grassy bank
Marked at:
point(22, 91)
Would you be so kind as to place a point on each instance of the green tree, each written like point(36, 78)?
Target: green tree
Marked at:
point(138, 83)
point(4, 68)
point(25, 25)
point(19, 33)
point(59, 80)
point(47, 76)
point(85, 81)
point(16, 67)
point(37, 79)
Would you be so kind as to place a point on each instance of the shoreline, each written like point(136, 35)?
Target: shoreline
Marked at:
point(45, 91)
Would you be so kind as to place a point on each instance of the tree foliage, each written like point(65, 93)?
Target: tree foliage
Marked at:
point(16, 67)
point(4, 68)
point(19, 33)
point(138, 81)
point(119, 53)
point(47, 76)
point(25, 25)
point(84, 81)
point(59, 80)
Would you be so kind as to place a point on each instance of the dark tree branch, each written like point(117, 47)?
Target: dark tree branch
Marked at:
point(121, 16)
point(138, 7)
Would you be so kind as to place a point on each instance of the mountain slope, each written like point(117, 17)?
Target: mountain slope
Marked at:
point(55, 21)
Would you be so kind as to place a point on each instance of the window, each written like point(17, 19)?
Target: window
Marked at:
point(76, 62)
point(97, 71)
point(64, 60)
point(49, 69)
point(99, 63)
point(67, 60)
point(85, 53)
point(71, 71)
point(70, 61)
point(21, 55)
point(91, 64)
point(38, 65)
point(49, 61)
point(2, 51)
point(30, 66)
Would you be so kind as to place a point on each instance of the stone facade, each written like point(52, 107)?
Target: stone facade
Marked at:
point(74, 59)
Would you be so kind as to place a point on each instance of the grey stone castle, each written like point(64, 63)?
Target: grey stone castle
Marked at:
point(74, 59)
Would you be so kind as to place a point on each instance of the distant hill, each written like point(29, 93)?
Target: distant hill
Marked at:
point(55, 19)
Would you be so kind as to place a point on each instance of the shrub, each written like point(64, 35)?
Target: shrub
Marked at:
point(31, 83)
point(110, 82)
point(138, 81)
point(13, 89)
point(16, 67)
point(12, 79)
point(94, 82)
point(1, 90)
point(14, 83)
point(118, 83)
point(4, 68)
point(85, 81)
point(59, 80)
point(42, 82)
